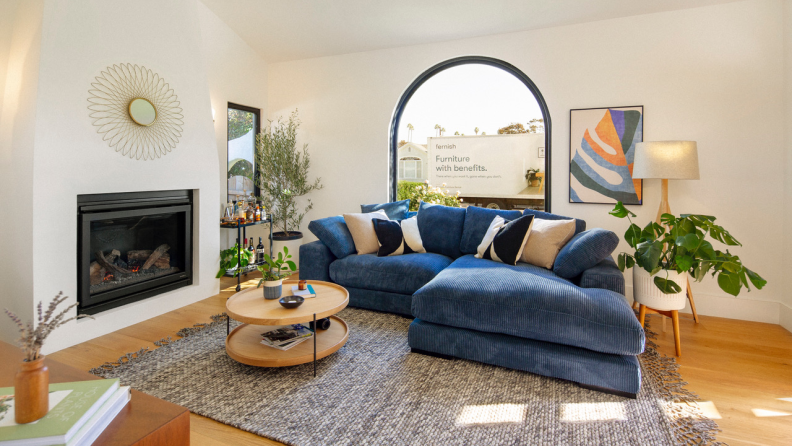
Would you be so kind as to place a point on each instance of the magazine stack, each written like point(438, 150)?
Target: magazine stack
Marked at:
point(286, 337)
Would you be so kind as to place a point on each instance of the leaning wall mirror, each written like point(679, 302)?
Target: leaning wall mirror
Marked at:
point(142, 112)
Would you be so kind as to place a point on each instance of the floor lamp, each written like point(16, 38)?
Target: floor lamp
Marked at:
point(667, 160)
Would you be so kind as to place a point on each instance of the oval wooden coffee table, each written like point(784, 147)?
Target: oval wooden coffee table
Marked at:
point(260, 315)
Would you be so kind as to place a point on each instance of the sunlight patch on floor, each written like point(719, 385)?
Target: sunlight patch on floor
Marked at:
point(491, 414)
point(762, 413)
point(582, 412)
point(789, 400)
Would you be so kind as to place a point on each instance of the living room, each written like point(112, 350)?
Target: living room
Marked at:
point(717, 73)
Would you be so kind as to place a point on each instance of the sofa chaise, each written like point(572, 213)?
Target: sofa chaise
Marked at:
point(570, 322)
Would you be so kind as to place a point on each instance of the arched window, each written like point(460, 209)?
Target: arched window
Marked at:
point(480, 126)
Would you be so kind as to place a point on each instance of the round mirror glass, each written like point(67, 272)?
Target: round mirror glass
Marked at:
point(142, 111)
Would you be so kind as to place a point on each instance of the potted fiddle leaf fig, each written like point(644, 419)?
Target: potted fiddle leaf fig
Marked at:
point(274, 271)
point(678, 248)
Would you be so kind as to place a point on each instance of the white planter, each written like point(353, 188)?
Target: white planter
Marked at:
point(645, 291)
point(293, 243)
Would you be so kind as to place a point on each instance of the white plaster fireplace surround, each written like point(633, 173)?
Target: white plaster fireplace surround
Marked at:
point(77, 41)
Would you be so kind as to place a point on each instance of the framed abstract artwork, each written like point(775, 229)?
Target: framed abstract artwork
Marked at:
point(601, 154)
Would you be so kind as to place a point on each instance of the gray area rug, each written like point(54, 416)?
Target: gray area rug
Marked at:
point(375, 392)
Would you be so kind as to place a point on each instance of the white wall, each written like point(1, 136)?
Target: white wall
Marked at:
point(78, 41)
point(712, 74)
point(20, 37)
point(236, 74)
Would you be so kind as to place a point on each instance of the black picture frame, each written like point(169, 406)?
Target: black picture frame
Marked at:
point(393, 162)
point(257, 125)
point(573, 146)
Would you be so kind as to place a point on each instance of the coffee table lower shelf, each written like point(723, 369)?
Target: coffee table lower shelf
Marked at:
point(244, 345)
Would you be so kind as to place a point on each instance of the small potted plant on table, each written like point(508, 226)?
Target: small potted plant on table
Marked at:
point(274, 271)
point(530, 175)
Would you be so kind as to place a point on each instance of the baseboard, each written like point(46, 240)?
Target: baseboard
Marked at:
point(786, 317)
point(735, 308)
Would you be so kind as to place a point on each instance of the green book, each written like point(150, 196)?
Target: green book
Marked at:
point(71, 406)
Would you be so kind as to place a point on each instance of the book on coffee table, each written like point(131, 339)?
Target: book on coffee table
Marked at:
point(79, 411)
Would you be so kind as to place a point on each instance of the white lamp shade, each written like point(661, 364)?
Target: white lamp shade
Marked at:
point(671, 160)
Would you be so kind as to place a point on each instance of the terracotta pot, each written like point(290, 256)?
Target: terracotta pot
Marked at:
point(31, 391)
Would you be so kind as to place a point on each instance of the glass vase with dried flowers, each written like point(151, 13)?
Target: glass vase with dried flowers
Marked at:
point(31, 383)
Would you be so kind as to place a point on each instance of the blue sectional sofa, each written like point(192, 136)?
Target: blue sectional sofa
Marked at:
point(571, 322)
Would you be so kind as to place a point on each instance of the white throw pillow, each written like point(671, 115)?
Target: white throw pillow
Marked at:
point(362, 230)
point(546, 240)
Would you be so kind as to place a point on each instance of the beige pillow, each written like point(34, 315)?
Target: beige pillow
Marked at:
point(546, 240)
point(362, 230)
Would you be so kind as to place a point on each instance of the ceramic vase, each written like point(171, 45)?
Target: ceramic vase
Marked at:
point(31, 391)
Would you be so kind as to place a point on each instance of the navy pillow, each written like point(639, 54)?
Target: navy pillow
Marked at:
point(585, 250)
point(333, 232)
point(580, 225)
point(477, 220)
point(441, 228)
point(396, 210)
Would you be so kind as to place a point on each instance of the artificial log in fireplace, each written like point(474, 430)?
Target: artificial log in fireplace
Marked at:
point(132, 246)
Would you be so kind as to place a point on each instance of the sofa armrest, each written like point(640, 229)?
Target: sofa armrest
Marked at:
point(605, 275)
point(315, 260)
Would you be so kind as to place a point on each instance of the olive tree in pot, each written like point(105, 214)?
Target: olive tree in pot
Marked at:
point(283, 179)
point(675, 250)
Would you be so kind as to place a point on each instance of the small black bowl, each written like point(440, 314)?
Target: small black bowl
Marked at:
point(291, 301)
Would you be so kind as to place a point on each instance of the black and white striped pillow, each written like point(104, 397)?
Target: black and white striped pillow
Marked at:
point(505, 239)
point(398, 237)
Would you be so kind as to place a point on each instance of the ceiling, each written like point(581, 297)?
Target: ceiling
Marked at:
point(282, 30)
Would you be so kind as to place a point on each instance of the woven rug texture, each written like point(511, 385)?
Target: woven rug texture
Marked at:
point(375, 392)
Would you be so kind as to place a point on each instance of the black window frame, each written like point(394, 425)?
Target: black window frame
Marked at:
point(257, 126)
point(393, 162)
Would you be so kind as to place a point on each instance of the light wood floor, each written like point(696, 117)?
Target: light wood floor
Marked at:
point(741, 370)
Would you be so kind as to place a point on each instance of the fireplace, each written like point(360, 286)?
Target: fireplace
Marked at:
point(132, 246)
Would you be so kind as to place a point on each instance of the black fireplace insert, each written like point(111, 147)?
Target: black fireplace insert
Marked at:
point(132, 246)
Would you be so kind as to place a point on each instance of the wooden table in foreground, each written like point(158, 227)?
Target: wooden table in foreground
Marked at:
point(260, 315)
point(144, 421)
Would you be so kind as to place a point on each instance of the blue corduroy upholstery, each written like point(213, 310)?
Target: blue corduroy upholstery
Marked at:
point(580, 225)
point(395, 303)
point(410, 214)
point(315, 260)
point(528, 302)
point(333, 232)
point(441, 228)
point(477, 221)
point(615, 372)
point(396, 210)
point(605, 275)
point(403, 274)
point(585, 250)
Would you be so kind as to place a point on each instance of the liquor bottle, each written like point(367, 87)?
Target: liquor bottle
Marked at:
point(250, 213)
point(260, 252)
point(258, 213)
point(251, 249)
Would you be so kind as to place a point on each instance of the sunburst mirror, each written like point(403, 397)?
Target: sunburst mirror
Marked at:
point(136, 111)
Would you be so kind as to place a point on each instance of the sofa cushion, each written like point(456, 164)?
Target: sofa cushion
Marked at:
point(441, 228)
point(333, 232)
point(529, 302)
point(580, 225)
point(396, 210)
point(362, 230)
point(504, 241)
point(397, 274)
point(546, 240)
point(477, 220)
point(398, 237)
point(584, 251)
